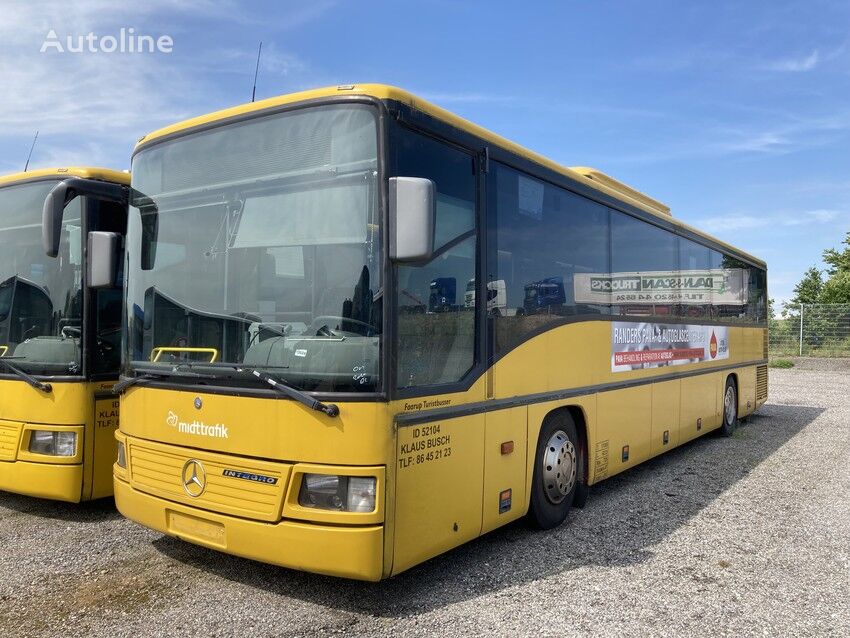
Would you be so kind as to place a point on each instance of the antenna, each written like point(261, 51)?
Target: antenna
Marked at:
point(27, 165)
point(256, 71)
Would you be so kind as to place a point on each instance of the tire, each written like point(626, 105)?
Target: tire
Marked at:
point(552, 492)
point(582, 489)
point(730, 408)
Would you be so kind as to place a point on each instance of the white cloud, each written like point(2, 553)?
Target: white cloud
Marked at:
point(92, 107)
point(816, 185)
point(86, 153)
point(272, 60)
point(821, 215)
point(796, 65)
point(307, 12)
point(729, 223)
point(788, 134)
point(87, 94)
point(738, 221)
point(85, 106)
point(754, 142)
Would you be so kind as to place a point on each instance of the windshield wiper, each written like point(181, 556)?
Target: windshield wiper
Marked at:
point(283, 387)
point(128, 382)
point(119, 387)
point(38, 385)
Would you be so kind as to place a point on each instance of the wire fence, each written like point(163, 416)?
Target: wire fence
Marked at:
point(813, 330)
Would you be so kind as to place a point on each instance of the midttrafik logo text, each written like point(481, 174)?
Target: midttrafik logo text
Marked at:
point(198, 428)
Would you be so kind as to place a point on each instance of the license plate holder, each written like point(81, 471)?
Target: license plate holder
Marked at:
point(196, 528)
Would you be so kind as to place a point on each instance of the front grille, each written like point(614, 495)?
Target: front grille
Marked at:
point(10, 433)
point(158, 470)
point(761, 383)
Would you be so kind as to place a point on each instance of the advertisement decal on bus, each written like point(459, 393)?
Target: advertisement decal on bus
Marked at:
point(635, 346)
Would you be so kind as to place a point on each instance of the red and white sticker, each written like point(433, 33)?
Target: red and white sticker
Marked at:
point(635, 346)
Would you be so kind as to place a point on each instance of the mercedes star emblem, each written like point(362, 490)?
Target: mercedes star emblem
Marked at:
point(194, 478)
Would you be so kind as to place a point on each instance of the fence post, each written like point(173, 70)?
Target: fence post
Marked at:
point(801, 329)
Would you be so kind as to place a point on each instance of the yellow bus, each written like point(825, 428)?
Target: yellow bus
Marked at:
point(311, 381)
point(60, 339)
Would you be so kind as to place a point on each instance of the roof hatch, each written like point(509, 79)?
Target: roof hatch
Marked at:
point(623, 189)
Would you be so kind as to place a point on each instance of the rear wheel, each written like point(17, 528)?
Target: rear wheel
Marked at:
point(556, 472)
point(730, 408)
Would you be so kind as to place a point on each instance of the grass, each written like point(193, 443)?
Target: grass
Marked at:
point(826, 348)
point(781, 363)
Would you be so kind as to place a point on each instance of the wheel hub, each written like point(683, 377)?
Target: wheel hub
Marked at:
point(729, 407)
point(559, 467)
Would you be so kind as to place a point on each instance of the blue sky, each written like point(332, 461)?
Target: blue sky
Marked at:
point(736, 114)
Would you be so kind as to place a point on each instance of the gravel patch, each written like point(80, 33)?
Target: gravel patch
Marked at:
point(722, 537)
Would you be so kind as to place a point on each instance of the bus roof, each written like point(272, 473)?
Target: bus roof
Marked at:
point(588, 176)
point(103, 174)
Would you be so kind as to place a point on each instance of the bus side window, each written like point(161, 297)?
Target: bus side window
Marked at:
point(105, 304)
point(436, 318)
point(107, 353)
point(734, 301)
point(694, 269)
point(645, 251)
point(547, 248)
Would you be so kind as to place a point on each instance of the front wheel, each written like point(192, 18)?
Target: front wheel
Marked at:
point(730, 408)
point(556, 467)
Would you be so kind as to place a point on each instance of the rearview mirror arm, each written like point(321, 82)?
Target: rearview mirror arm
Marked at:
point(64, 193)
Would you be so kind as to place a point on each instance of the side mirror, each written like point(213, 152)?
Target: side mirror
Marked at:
point(102, 263)
point(61, 195)
point(413, 211)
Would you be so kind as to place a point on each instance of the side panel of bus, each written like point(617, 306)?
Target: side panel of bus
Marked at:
point(699, 405)
point(102, 433)
point(625, 423)
point(439, 474)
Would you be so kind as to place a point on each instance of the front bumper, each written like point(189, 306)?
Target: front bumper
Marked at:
point(347, 551)
point(59, 482)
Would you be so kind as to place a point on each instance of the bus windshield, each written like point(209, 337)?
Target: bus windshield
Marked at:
point(41, 298)
point(258, 244)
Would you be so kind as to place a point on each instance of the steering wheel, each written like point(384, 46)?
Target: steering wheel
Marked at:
point(319, 327)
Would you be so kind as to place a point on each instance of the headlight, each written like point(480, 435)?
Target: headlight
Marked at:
point(342, 493)
point(361, 494)
point(53, 443)
point(122, 455)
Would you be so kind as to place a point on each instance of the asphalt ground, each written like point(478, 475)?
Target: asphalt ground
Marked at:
point(748, 535)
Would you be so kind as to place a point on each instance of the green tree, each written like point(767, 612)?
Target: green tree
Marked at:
point(823, 325)
point(837, 288)
point(838, 262)
point(810, 287)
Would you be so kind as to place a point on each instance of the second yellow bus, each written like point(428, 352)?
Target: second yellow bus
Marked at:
point(60, 338)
